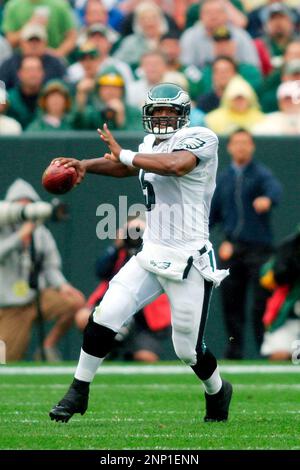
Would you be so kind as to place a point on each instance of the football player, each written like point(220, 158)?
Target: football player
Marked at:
point(177, 168)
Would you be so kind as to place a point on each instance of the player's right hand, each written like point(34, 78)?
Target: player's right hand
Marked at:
point(72, 162)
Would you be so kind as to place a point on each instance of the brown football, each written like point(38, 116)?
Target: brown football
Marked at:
point(58, 179)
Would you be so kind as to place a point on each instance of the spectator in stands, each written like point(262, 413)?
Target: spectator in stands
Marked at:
point(245, 195)
point(149, 26)
point(268, 90)
point(292, 51)
point(141, 339)
point(114, 15)
point(95, 14)
point(108, 104)
point(216, 76)
point(279, 31)
point(282, 315)
point(56, 15)
point(23, 98)
point(257, 17)
point(152, 69)
point(235, 10)
point(286, 121)
point(101, 38)
point(33, 42)
point(24, 249)
point(223, 70)
point(83, 73)
point(170, 46)
point(225, 46)
point(239, 108)
point(8, 125)
point(128, 8)
point(197, 44)
point(55, 106)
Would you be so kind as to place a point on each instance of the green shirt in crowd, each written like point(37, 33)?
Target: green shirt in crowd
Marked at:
point(249, 72)
point(92, 117)
point(23, 109)
point(40, 124)
point(61, 19)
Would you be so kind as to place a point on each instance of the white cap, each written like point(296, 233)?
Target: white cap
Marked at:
point(289, 89)
point(34, 30)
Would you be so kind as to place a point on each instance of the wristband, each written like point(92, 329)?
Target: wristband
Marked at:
point(127, 156)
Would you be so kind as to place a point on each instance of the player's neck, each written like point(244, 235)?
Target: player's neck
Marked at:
point(159, 141)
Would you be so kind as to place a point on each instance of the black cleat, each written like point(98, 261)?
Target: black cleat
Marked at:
point(217, 405)
point(74, 401)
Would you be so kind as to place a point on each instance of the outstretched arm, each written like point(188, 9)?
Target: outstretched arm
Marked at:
point(170, 164)
point(100, 166)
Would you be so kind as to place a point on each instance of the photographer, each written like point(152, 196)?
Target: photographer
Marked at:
point(141, 338)
point(30, 275)
point(108, 104)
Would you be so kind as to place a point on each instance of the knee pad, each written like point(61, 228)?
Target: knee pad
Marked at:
point(97, 339)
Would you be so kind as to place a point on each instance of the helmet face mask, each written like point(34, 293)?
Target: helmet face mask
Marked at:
point(166, 95)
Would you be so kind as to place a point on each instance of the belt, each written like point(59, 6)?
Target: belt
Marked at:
point(203, 250)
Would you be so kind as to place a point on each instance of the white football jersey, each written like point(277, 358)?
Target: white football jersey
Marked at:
point(178, 207)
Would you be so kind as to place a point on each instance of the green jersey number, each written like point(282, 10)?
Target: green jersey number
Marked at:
point(148, 192)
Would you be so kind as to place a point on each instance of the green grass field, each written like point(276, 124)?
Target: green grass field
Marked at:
point(153, 411)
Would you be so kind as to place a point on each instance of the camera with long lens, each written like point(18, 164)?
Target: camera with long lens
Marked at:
point(40, 211)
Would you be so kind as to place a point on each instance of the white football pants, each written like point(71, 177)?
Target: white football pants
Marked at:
point(133, 287)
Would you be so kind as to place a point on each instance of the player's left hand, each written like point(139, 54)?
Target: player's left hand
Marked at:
point(113, 145)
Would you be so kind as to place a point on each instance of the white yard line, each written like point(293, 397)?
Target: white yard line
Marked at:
point(168, 387)
point(149, 370)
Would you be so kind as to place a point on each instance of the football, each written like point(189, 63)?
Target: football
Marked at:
point(58, 179)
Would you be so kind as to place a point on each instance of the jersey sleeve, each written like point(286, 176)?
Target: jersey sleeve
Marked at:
point(204, 145)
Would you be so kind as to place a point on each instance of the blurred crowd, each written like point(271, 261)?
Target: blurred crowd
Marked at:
point(79, 63)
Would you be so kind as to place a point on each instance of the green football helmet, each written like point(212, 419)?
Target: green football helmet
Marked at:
point(166, 95)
